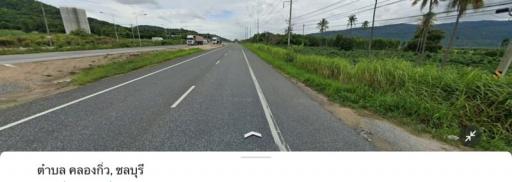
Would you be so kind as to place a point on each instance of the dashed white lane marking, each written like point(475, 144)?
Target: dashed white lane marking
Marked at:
point(182, 97)
point(98, 93)
point(274, 128)
point(9, 65)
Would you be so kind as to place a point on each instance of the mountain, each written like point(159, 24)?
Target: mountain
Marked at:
point(26, 15)
point(470, 33)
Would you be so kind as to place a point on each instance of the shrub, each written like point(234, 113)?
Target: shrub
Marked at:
point(442, 101)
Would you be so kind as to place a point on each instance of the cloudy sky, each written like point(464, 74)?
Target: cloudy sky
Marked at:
point(229, 18)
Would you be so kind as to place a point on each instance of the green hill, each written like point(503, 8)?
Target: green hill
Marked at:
point(26, 15)
point(470, 34)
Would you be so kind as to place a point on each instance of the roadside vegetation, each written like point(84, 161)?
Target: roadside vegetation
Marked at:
point(18, 42)
point(424, 97)
point(145, 59)
point(485, 59)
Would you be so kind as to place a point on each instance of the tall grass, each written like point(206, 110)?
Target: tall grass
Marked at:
point(440, 101)
point(486, 59)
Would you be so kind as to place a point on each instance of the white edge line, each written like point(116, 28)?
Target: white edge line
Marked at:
point(274, 129)
point(97, 93)
point(183, 97)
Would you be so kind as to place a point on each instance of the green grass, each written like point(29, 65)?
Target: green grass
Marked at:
point(4, 32)
point(116, 68)
point(485, 59)
point(17, 42)
point(425, 98)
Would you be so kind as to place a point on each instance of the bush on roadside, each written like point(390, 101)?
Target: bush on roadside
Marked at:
point(440, 101)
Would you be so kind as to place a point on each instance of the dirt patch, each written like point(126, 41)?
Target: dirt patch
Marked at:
point(383, 134)
point(20, 83)
point(39, 79)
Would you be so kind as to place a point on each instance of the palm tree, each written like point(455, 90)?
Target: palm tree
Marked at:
point(323, 25)
point(352, 19)
point(427, 21)
point(461, 6)
point(365, 25)
point(423, 31)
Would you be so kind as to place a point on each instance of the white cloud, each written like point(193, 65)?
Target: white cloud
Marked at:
point(196, 14)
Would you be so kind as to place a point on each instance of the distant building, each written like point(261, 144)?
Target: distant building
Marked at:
point(74, 19)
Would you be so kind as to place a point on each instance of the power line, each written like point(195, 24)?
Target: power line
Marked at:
point(328, 8)
point(448, 11)
point(445, 17)
point(358, 10)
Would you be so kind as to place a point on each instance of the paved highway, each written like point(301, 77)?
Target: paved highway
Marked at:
point(25, 58)
point(205, 102)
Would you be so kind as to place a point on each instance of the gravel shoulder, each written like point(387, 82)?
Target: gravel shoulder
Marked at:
point(24, 82)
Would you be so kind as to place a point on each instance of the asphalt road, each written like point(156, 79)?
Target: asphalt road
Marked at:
point(203, 102)
point(25, 58)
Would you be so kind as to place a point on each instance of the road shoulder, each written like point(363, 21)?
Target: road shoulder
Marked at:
point(384, 134)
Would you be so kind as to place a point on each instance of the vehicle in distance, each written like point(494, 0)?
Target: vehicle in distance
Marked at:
point(216, 40)
point(195, 40)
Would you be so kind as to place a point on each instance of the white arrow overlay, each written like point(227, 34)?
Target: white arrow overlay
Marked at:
point(252, 133)
point(471, 134)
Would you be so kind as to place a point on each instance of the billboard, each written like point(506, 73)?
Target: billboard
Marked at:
point(74, 19)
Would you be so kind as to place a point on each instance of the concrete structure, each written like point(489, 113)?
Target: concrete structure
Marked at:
point(74, 19)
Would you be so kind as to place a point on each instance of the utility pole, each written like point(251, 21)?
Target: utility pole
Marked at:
point(373, 29)
point(138, 30)
point(258, 29)
point(115, 27)
point(113, 22)
point(507, 58)
point(303, 27)
point(46, 25)
point(289, 21)
point(133, 33)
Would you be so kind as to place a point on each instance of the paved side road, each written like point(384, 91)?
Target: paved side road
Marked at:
point(205, 102)
point(25, 58)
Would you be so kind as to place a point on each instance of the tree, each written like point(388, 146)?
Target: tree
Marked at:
point(461, 6)
point(432, 44)
point(352, 19)
point(424, 29)
point(365, 25)
point(505, 42)
point(343, 43)
point(427, 22)
point(323, 25)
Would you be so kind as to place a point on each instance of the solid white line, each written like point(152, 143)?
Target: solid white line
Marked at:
point(274, 128)
point(182, 97)
point(97, 93)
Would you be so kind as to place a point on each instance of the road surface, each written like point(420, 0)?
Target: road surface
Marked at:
point(205, 102)
point(25, 58)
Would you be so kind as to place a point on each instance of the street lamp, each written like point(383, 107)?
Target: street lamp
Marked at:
point(137, 24)
point(113, 22)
